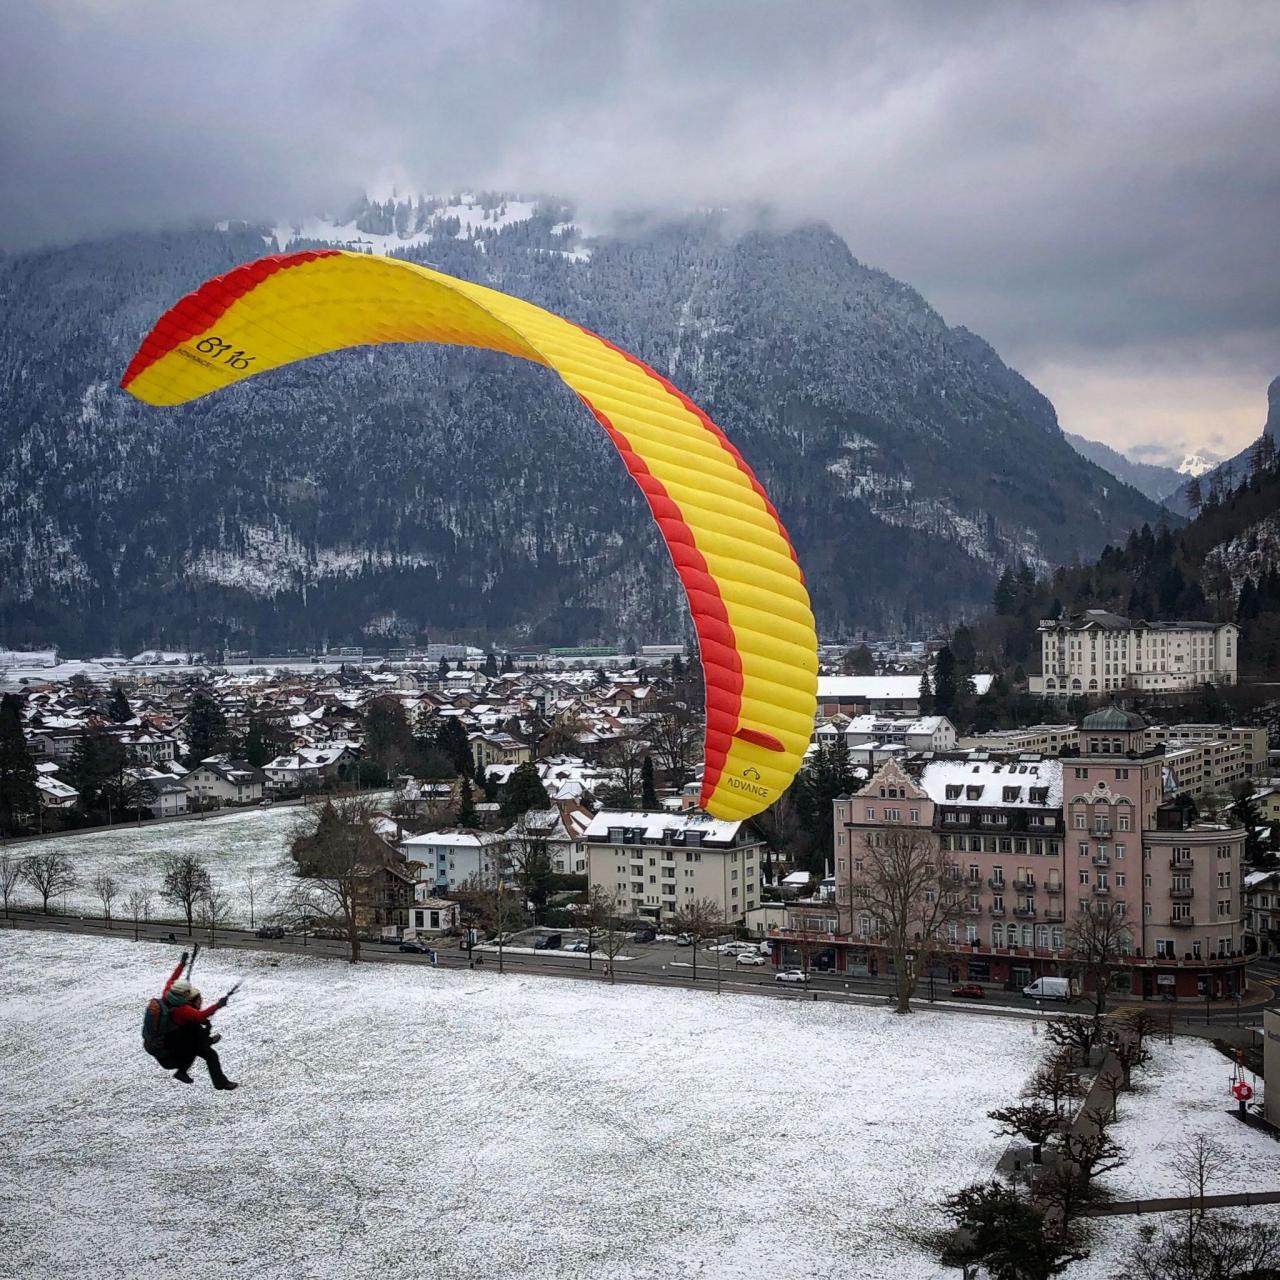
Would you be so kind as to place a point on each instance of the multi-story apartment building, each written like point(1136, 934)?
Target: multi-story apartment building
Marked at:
point(1031, 844)
point(922, 733)
point(655, 863)
point(1042, 739)
point(1250, 740)
point(1097, 652)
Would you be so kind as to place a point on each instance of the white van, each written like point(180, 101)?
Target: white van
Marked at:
point(1049, 989)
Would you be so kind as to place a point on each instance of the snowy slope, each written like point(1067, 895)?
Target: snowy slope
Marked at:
point(451, 1125)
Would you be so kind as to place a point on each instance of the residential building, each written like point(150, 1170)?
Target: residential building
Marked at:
point(923, 733)
point(878, 695)
point(429, 914)
point(458, 857)
point(653, 863)
point(308, 768)
point(1038, 739)
point(499, 748)
point(1249, 740)
point(1100, 652)
point(563, 828)
point(146, 747)
point(218, 780)
point(1262, 912)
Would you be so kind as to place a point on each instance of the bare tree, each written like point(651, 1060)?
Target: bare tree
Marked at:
point(527, 854)
point(1090, 1147)
point(909, 888)
point(186, 881)
point(1113, 1082)
point(1212, 1247)
point(615, 934)
point(1074, 1035)
point(10, 874)
point(1056, 1081)
point(215, 911)
point(1064, 1193)
point(139, 905)
point(673, 733)
point(1197, 1160)
point(625, 757)
point(1143, 1023)
point(1098, 941)
point(108, 890)
point(1035, 1120)
point(50, 875)
point(251, 892)
point(700, 919)
point(1130, 1054)
point(336, 851)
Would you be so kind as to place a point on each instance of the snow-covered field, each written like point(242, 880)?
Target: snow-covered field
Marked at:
point(235, 845)
point(1182, 1092)
point(453, 1124)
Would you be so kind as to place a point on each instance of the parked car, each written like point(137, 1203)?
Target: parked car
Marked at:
point(1049, 989)
point(580, 944)
point(549, 942)
point(262, 804)
point(751, 957)
point(645, 935)
point(685, 940)
point(271, 931)
point(969, 991)
point(791, 975)
point(416, 947)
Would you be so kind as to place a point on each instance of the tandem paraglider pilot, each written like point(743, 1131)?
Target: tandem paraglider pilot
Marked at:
point(175, 1030)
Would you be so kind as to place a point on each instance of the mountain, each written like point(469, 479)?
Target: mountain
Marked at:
point(1146, 477)
point(408, 490)
point(1224, 476)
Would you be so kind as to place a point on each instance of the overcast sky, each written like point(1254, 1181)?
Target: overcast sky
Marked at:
point(1094, 187)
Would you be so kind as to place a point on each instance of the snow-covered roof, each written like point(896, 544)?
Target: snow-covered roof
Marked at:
point(653, 826)
point(881, 688)
point(993, 783)
point(456, 837)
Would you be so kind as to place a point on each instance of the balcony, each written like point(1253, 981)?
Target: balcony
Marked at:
point(997, 911)
point(1101, 891)
point(1181, 895)
point(998, 885)
point(1181, 864)
point(1054, 915)
point(1102, 830)
point(1024, 884)
point(1025, 913)
point(973, 908)
point(1053, 887)
point(1184, 922)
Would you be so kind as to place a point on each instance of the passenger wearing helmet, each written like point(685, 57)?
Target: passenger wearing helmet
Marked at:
point(185, 1030)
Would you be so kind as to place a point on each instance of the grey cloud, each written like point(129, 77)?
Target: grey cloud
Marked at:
point(1072, 181)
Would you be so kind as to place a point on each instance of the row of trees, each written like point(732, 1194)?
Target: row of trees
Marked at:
point(186, 884)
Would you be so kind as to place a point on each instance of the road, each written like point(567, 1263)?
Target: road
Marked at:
point(653, 964)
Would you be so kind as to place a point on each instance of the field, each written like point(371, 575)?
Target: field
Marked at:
point(458, 1125)
point(235, 845)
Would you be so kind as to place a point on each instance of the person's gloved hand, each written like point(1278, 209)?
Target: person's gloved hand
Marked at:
point(184, 958)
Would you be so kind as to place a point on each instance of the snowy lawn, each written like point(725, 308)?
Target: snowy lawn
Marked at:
point(467, 1125)
point(233, 845)
point(1180, 1093)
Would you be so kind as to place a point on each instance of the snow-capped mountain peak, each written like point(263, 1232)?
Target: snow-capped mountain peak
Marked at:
point(1196, 464)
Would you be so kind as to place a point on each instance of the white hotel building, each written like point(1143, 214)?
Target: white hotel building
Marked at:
point(1097, 652)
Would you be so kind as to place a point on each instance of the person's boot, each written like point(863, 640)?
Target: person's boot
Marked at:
point(215, 1038)
point(223, 1083)
point(182, 1075)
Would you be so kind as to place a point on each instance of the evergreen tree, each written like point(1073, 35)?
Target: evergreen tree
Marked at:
point(524, 791)
point(945, 687)
point(18, 794)
point(388, 740)
point(206, 727)
point(827, 775)
point(466, 804)
point(97, 762)
point(442, 671)
point(507, 664)
point(926, 694)
point(264, 740)
point(491, 664)
point(648, 792)
point(1004, 598)
point(451, 742)
point(119, 709)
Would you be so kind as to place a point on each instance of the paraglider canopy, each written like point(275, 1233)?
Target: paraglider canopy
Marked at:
point(745, 589)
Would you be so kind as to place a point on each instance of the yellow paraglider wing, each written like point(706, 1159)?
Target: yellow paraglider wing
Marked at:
point(746, 593)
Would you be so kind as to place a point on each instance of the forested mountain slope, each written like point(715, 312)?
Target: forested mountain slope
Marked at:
point(402, 491)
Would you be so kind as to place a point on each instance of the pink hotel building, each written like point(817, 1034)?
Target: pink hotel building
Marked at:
point(1032, 842)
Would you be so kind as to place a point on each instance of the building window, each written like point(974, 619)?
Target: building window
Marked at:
point(1084, 876)
point(914, 814)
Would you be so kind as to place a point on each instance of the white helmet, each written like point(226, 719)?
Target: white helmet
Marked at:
point(182, 992)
